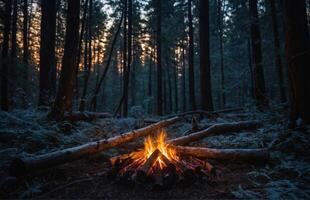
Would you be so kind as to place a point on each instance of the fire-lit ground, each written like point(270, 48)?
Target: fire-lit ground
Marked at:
point(286, 176)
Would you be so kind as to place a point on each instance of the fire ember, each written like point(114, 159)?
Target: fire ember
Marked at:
point(159, 164)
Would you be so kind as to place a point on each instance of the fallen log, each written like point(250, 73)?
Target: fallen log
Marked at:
point(215, 129)
point(249, 155)
point(20, 166)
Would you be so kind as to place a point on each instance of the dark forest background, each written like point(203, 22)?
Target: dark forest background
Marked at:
point(153, 57)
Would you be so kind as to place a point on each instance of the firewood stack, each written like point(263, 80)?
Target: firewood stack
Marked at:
point(184, 172)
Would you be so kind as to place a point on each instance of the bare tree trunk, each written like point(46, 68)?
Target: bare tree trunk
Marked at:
point(297, 46)
point(169, 83)
point(150, 75)
point(5, 51)
point(183, 78)
point(14, 30)
point(220, 27)
point(80, 48)
point(12, 71)
point(25, 39)
point(47, 50)
point(63, 101)
point(205, 72)
point(158, 60)
point(191, 71)
point(129, 56)
point(250, 67)
point(278, 61)
point(176, 93)
point(258, 72)
point(88, 60)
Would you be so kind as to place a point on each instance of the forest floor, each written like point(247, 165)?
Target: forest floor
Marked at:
point(28, 132)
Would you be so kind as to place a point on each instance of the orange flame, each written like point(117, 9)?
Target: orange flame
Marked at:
point(151, 144)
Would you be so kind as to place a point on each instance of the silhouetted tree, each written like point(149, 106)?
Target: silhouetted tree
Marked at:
point(63, 101)
point(297, 46)
point(47, 51)
point(5, 51)
point(205, 73)
point(258, 73)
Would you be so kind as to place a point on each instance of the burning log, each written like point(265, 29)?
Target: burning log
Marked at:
point(150, 161)
point(251, 155)
point(215, 129)
point(21, 166)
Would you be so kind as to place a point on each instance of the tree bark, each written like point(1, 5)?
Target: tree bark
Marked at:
point(204, 43)
point(80, 47)
point(63, 101)
point(258, 72)
point(88, 57)
point(129, 60)
point(21, 166)
point(25, 40)
point(47, 50)
point(276, 41)
point(5, 51)
point(158, 59)
point(220, 27)
point(215, 129)
point(191, 70)
point(14, 30)
point(250, 155)
point(297, 45)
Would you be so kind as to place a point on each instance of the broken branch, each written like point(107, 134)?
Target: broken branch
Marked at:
point(215, 129)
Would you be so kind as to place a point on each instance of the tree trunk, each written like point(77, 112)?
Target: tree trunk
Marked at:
point(5, 51)
point(25, 40)
point(176, 93)
point(47, 50)
point(183, 78)
point(150, 75)
point(220, 27)
point(258, 73)
point(297, 46)
point(129, 56)
point(14, 30)
point(63, 101)
point(276, 40)
point(88, 57)
point(125, 51)
point(191, 70)
point(158, 60)
point(12, 71)
point(205, 72)
point(250, 67)
point(80, 48)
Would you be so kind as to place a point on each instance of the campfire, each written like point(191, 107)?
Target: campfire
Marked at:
point(159, 163)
